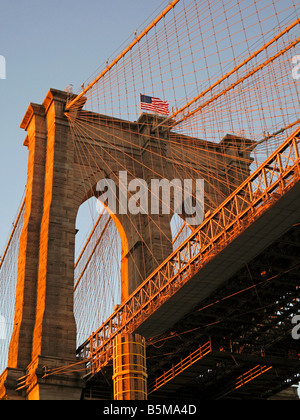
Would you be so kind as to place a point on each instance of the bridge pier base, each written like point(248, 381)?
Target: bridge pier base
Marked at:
point(9, 383)
point(130, 371)
point(48, 379)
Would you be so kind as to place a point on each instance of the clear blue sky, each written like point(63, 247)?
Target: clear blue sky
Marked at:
point(49, 44)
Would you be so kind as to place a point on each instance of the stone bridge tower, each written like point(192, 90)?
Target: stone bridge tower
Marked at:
point(44, 336)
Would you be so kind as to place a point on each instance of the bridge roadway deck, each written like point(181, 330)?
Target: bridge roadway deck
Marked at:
point(237, 343)
point(263, 232)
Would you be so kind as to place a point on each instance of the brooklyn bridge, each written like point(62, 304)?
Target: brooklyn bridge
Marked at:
point(158, 304)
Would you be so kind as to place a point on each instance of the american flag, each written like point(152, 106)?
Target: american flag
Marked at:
point(156, 105)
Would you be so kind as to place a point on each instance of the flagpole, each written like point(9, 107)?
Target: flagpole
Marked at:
point(140, 104)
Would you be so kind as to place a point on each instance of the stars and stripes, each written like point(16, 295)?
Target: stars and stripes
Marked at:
point(155, 105)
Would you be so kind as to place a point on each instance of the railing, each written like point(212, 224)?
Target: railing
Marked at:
point(183, 365)
point(251, 375)
point(244, 379)
point(260, 191)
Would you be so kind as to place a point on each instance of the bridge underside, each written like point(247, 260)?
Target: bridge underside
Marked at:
point(247, 323)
